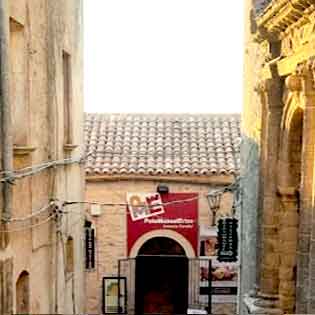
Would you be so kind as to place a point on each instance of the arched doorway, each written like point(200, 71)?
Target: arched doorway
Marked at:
point(23, 293)
point(161, 277)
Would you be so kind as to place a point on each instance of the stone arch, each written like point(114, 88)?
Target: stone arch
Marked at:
point(181, 240)
point(23, 293)
point(289, 182)
point(290, 156)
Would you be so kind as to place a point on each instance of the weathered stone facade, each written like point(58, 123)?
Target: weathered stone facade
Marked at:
point(279, 85)
point(41, 120)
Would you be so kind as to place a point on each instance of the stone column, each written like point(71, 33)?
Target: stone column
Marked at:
point(288, 237)
point(266, 301)
point(268, 278)
point(306, 246)
point(288, 189)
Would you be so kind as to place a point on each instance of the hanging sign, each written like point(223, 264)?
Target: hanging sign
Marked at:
point(227, 240)
point(89, 248)
point(144, 205)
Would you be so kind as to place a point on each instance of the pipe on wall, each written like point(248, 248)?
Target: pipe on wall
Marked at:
point(6, 140)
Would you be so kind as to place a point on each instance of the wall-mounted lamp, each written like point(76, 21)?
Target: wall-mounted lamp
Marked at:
point(162, 189)
point(214, 200)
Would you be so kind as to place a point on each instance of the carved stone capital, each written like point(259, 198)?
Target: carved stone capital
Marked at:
point(261, 87)
point(294, 83)
point(288, 193)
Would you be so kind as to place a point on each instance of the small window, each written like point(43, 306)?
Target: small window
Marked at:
point(23, 293)
point(70, 255)
point(18, 84)
point(67, 97)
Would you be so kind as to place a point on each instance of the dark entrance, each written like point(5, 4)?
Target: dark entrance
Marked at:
point(161, 278)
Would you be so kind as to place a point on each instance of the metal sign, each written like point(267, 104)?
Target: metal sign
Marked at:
point(227, 240)
point(144, 205)
point(89, 248)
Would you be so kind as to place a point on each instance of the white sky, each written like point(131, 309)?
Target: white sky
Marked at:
point(163, 55)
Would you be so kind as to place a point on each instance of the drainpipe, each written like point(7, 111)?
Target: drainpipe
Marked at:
point(6, 145)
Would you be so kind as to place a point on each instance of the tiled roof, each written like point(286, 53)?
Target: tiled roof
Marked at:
point(162, 144)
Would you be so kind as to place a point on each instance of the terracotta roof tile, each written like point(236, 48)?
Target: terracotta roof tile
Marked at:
point(162, 144)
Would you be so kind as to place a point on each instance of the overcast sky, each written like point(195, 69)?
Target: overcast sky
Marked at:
point(163, 55)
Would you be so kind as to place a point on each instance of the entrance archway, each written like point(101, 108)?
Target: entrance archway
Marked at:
point(161, 277)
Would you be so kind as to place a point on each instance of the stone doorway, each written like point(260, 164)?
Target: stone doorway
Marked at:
point(161, 278)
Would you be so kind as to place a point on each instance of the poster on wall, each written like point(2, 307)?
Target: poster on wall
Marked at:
point(144, 205)
point(112, 304)
point(224, 280)
point(208, 247)
point(219, 272)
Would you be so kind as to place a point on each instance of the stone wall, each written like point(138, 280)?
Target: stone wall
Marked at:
point(39, 32)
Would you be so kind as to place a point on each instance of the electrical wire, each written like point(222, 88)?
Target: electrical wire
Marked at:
point(34, 214)
point(10, 176)
point(230, 188)
point(30, 226)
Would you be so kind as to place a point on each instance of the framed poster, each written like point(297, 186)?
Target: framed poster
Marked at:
point(113, 302)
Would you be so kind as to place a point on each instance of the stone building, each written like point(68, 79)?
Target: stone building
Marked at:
point(278, 158)
point(140, 154)
point(41, 118)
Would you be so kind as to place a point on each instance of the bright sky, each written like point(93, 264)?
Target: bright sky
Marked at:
point(163, 55)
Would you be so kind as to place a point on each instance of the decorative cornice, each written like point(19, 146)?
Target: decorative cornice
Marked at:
point(280, 15)
point(69, 147)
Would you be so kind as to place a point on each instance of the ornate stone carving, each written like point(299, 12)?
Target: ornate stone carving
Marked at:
point(294, 83)
point(288, 20)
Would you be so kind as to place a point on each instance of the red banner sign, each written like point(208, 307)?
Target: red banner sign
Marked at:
point(181, 217)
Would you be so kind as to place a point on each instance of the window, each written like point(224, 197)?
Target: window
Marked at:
point(67, 97)
point(70, 255)
point(18, 83)
point(23, 293)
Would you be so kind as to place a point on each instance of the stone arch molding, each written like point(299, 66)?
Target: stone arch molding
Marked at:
point(293, 101)
point(190, 253)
